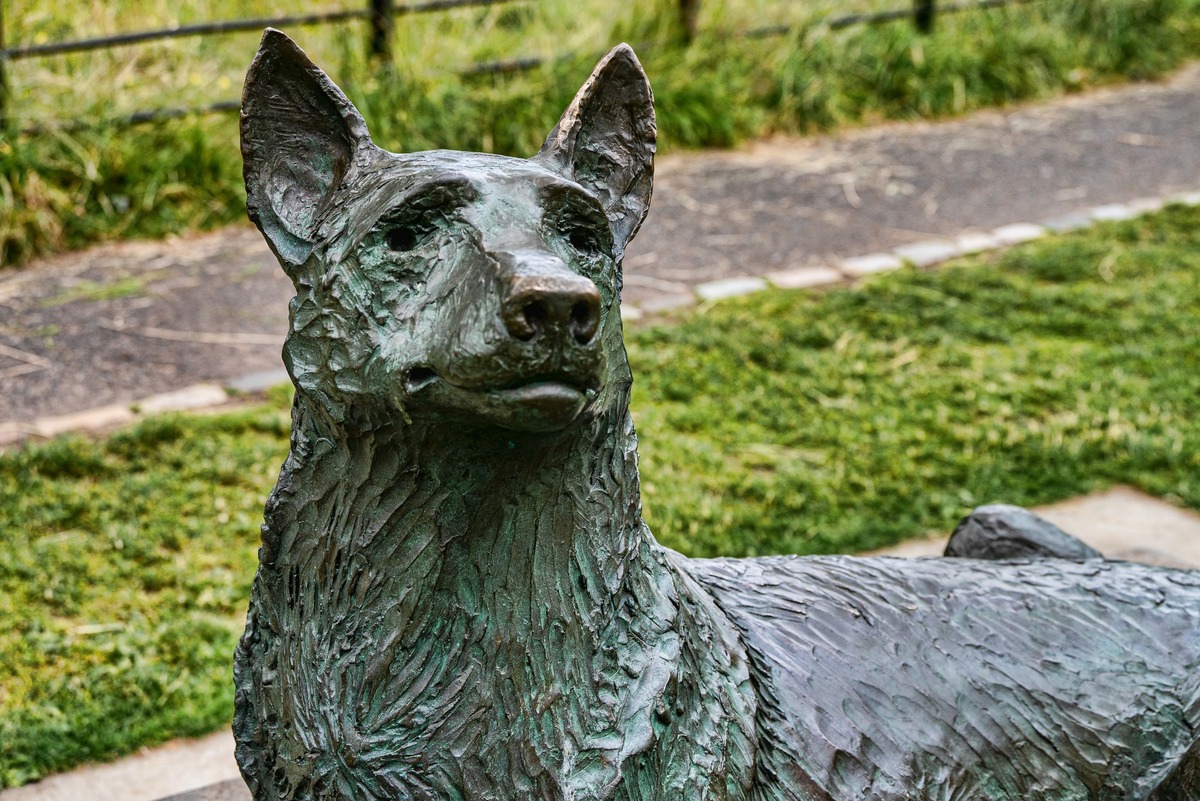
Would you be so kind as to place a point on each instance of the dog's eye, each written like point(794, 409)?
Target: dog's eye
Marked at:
point(402, 238)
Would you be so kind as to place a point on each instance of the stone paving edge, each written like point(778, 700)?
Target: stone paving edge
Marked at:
point(919, 254)
point(197, 397)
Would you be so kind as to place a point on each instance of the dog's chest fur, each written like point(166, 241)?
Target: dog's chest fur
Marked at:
point(456, 643)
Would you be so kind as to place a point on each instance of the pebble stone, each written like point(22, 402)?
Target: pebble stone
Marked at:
point(1067, 222)
point(1113, 212)
point(1146, 205)
point(1017, 233)
point(665, 303)
point(805, 277)
point(858, 266)
point(730, 287)
point(258, 382)
point(926, 254)
point(976, 242)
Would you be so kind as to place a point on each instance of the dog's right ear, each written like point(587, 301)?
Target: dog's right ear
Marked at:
point(300, 136)
point(605, 141)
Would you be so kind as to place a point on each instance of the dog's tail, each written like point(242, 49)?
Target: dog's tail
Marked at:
point(1001, 531)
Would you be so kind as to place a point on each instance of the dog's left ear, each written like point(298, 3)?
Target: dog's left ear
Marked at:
point(300, 138)
point(605, 141)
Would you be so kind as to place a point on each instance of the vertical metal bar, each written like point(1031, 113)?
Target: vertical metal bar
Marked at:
point(689, 12)
point(923, 12)
point(382, 24)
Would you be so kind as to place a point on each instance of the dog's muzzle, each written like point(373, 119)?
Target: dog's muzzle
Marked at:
point(546, 367)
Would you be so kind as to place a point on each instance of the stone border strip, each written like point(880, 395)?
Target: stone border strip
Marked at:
point(926, 253)
point(105, 418)
point(918, 254)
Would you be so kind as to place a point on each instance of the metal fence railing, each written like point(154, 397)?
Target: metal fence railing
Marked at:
point(922, 14)
point(380, 15)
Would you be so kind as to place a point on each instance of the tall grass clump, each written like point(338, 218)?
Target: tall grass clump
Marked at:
point(66, 186)
point(65, 189)
point(1110, 31)
point(975, 60)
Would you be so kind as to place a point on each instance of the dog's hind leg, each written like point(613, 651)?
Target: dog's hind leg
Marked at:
point(1001, 531)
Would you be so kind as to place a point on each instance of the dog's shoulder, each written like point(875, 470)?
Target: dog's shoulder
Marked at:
point(880, 677)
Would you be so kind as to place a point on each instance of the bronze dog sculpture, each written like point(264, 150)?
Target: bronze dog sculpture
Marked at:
point(458, 598)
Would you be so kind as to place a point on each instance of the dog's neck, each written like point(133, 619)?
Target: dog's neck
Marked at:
point(537, 519)
point(438, 593)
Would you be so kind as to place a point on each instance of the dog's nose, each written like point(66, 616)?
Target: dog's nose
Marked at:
point(551, 302)
point(538, 304)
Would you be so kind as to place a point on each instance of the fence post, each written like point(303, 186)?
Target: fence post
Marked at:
point(689, 11)
point(382, 25)
point(923, 15)
point(3, 75)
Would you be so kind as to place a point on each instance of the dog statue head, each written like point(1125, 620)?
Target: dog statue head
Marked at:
point(441, 285)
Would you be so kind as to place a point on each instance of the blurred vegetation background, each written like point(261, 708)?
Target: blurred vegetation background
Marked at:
point(68, 178)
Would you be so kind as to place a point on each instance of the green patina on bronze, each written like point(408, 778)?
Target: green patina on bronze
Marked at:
point(457, 597)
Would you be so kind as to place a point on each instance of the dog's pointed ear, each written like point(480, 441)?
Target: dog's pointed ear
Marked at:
point(605, 141)
point(300, 136)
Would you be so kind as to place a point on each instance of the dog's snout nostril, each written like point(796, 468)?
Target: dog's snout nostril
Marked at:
point(419, 377)
point(560, 306)
point(585, 319)
point(535, 314)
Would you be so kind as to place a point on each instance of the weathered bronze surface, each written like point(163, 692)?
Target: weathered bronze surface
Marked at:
point(458, 598)
point(1001, 531)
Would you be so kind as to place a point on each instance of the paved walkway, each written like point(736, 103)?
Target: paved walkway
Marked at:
point(114, 325)
point(155, 773)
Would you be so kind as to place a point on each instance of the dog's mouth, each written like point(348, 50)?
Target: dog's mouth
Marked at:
point(542, 402)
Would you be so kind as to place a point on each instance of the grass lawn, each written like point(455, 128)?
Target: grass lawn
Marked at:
point(65, 187)
point(780, 422)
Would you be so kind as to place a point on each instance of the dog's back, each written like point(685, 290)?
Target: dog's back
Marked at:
point(896, 679)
